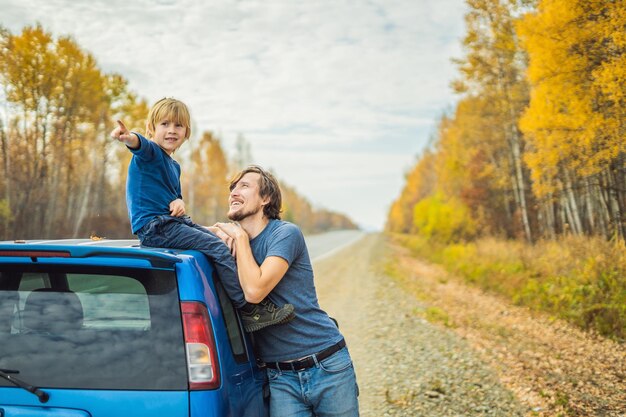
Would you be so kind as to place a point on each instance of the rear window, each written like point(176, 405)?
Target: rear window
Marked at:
point(91, 327)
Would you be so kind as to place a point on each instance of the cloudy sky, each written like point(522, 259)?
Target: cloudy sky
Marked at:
point(337, 97)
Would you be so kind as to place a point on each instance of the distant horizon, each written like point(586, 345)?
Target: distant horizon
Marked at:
point(337, 99)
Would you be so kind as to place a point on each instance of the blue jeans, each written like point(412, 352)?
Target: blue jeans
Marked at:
point(328, 389)
point(181, 233)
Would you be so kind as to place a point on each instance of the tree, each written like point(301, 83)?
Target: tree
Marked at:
point(443, 219)
point(207, 181)
point(493, 69)
point(243, 154)
point(62, 174)
point(420, 183)
point(575, 120)
point(58, 108)
point(473, 165)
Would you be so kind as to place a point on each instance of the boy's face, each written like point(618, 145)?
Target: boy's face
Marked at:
point(169, 135)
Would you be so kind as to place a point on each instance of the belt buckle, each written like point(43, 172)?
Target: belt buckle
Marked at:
point(304, 363)
point(301, 364)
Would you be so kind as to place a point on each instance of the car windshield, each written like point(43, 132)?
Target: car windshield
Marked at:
point(91, 327)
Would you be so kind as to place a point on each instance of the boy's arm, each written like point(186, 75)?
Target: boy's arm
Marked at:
point(122, 134)
point(257, 281)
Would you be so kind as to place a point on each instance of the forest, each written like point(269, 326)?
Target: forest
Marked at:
point(62, 175)
point(534, 152)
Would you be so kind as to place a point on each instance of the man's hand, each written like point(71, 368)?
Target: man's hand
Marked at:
point(229, 241)
point(177, 208)
point(234, 230)
point(122, 134)
point(257, 281)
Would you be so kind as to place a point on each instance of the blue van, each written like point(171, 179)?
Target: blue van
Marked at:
point(108, 328)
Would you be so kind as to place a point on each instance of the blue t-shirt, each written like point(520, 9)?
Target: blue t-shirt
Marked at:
point(153, 183)
point(311, 330)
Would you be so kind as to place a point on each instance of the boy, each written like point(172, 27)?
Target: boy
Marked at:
point(156, 208)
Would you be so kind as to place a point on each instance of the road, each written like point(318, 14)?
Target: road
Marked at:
point(326, 244)
point(405, 366)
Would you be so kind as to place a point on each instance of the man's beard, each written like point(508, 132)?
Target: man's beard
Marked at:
point(241, 214)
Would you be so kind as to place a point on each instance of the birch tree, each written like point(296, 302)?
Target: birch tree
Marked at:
point(493, 69)
point(575, 120)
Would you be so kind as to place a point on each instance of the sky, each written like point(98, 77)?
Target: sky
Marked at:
point(337, 97)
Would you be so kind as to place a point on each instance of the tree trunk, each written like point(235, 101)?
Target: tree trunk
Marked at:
point(55, 181)
point(6, 168)
point(617, 199)
point(572, 205)
point(605, 193)
point(600, 207)
point(549, 221)
point(519, 181)
point(590, 206)
point(83, 208)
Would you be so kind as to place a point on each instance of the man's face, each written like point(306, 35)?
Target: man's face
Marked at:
point(169, 135)
point(245, 199)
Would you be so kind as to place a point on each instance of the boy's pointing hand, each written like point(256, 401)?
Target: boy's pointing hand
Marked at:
point(122, 134)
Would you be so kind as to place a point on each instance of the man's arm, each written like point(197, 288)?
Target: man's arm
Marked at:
point(122, 134)
point(256, 280)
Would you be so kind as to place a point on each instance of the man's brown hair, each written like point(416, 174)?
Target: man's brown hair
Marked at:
point(268, 187)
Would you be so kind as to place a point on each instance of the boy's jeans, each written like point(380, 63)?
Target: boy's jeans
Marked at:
point(182, 233)
point(328, 389)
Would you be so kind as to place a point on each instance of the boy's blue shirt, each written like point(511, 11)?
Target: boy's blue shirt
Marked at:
point(153, 183)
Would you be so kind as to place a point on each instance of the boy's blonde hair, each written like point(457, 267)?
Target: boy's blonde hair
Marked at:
point(168, 109)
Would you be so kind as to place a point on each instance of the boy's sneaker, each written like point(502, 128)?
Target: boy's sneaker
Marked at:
point(258, 316)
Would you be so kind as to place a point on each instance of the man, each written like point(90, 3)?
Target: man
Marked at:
point(308, 365)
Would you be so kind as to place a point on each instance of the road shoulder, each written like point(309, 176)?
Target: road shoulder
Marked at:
point(552, 367)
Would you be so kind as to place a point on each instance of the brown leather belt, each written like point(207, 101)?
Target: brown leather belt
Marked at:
point(308, 361)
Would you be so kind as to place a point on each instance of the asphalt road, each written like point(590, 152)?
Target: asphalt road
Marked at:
point(326, 244)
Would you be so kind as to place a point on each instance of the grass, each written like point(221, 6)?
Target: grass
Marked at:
point(391, 268)
point(579, 279)
point(437, 315)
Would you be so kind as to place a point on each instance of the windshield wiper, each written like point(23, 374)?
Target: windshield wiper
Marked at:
point(43, 396)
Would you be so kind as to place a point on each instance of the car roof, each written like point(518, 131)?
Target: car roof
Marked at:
point(120, 243)
point(85, 248)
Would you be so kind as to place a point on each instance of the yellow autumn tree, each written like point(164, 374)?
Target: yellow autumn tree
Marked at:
point(476, 161)
point(444, 219)
point(575, 120)
point(205, 183)
point(54, 147)
point(492, 71)
point(472, 166)
point(420, 183)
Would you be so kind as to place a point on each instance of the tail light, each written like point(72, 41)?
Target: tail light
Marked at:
point(202, 364)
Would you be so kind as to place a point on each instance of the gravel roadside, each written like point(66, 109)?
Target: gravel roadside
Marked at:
point(553, 368)
point(405, 365)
